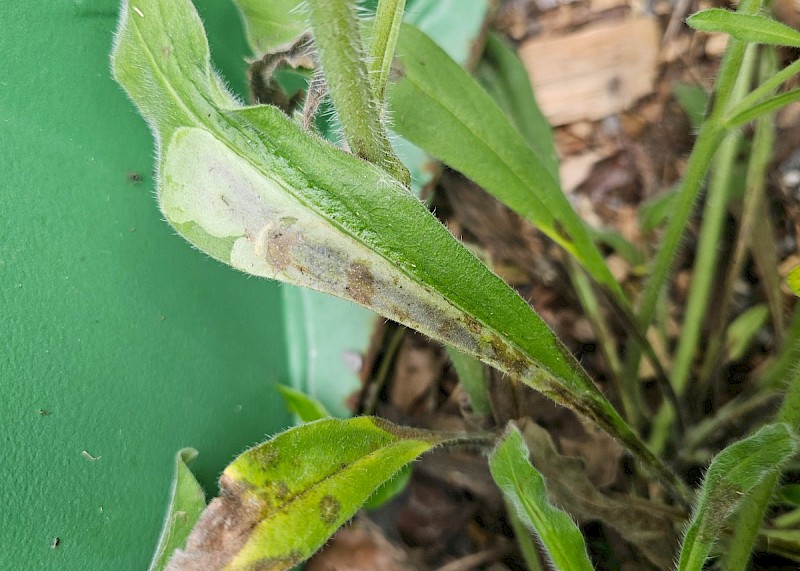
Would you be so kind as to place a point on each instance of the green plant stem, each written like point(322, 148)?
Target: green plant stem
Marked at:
point(386, 29)
point(338, 38)
point(711, 134)
point(755, 187)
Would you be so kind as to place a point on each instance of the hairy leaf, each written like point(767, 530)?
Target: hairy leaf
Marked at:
point(252, 189)
point(647, 525)
point(187, 502)
point(525, 489)
point(733, 473)
point(281, 500)
point(745, 27)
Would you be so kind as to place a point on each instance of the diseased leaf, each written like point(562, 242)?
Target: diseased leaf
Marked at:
point(249, 187)
point(524, 488)
point(745, 27)
point(187, 502)
point(281, 500)
point(436, 105)
point(733, 473)
point(271, 25)
point(304, 406)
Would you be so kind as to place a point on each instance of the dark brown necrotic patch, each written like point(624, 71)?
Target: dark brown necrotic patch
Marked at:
point(360, 283)
point(329, 508)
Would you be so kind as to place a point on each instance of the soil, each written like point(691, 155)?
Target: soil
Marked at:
point(451, 516)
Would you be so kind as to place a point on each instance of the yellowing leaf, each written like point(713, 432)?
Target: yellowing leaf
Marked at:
point(793, 280)
point(281, 500)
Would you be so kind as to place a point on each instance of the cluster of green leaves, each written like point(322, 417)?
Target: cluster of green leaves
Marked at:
point(251, 187)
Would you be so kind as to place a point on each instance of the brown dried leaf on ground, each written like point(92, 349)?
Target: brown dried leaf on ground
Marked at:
point(361, 547)
point(594, 72)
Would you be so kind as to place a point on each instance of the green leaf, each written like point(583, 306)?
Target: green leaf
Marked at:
point(438, 106)
point(743, 329)
point(307, 408)
point(524, 488)
point(693, 99)
point(772, 104)
point(656, 210)
point(187, 502)
point(389, 489)
point(281, 500)
point(745, 27)
point(793, 280)
point(271, 25)
point(733, 473)
point(249, 187)
point(472, 376)
point(505, 79)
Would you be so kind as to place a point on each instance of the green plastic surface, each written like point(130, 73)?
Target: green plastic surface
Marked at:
point(120, 344)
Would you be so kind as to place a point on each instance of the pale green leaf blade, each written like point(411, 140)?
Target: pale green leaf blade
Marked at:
point(525, 489)
point(272, 24)
point(745, 27)
point(793, 280)
point(733, 473)
point(304, 406)
point(281, 500)
point(743, 329)
point(249, 187)
point(187, 502)
point(438, 106)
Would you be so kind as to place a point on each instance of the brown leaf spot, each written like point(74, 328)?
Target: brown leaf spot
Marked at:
point(267, 456)
point(222, 530)
point(329, 508)
point(360, 283)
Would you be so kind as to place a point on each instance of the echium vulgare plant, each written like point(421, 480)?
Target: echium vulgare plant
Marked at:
point(265, 193)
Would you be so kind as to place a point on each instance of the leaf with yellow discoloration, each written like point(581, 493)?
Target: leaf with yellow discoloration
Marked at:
point(281, 500)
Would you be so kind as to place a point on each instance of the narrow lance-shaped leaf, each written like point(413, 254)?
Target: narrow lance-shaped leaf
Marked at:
point(436, 105)
point(525, 490)
point(733, 473)
point(745, 27)
point(252, 189)
point(187, 502)
point(281, 500)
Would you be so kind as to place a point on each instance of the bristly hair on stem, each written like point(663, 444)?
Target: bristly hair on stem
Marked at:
point(335, 26)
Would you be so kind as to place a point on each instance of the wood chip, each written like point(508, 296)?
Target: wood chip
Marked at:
point(593, 73)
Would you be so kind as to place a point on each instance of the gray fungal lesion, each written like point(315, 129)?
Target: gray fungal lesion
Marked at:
point(329, 509)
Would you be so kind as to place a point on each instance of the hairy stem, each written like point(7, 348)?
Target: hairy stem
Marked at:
point(338, 38)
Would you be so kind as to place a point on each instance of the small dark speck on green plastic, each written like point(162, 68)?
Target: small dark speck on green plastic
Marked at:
point(56, 543)
point(135, 177)
point(43, 412)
